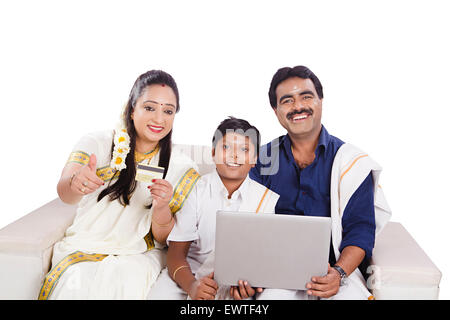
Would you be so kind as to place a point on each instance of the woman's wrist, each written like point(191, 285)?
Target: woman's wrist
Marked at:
point(65, 191)
point(162, 218)
point(162, 225)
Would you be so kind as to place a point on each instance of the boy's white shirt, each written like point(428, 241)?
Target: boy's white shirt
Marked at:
point(196, 221)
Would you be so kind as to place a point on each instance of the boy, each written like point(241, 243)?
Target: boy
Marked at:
point(191, 241)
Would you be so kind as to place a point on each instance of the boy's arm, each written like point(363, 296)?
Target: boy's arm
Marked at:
point(177, 263)
point(180, 272)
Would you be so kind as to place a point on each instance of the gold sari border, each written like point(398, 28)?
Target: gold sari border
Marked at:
point(107, 173)
point(51, 279)
point(79, 157)
point(182, 190)
point(149, 240)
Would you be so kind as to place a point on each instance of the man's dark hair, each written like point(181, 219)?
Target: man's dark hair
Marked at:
point(286, 73)
point(239, 126)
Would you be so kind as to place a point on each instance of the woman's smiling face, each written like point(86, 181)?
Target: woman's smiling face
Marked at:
point(153, 115)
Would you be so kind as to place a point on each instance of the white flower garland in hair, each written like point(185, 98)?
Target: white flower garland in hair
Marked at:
point(121, 147)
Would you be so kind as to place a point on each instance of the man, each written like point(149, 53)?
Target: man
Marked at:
point(317, 174)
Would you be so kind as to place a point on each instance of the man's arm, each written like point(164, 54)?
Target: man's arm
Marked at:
point(350, 258)
point(358, 238)
point(358, 219)
point(328, 286)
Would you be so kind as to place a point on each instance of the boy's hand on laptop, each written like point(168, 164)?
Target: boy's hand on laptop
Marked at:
point(243, 291)
point(204, 288)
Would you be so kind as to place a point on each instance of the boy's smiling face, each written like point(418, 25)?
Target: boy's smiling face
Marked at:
point(234, 156)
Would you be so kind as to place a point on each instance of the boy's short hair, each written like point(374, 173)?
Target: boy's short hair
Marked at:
point(239, 126)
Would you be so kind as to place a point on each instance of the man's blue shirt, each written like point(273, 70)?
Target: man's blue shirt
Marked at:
point(307, 191)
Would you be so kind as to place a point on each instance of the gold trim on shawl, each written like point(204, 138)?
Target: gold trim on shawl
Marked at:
point(262, 199)
point(53, 276)
point(182, 190)
point(353, 163)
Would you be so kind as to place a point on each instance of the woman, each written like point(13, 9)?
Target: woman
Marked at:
point(109, 251)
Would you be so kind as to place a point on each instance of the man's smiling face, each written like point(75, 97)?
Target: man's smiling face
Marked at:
point(299, 109)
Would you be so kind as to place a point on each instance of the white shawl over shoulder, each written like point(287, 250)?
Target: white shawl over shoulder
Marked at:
point(350, 167)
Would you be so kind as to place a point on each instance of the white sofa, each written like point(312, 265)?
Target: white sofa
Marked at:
point(400, 269)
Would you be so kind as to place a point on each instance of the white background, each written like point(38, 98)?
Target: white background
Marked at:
point(66, 69)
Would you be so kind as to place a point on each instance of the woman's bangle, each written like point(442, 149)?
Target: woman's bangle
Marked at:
point(176, 270)
point(163, 225)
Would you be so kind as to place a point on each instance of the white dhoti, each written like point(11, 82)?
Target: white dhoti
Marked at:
point(346, 292)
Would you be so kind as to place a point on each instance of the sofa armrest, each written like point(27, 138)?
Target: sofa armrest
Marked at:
point(400, 269)
point(26, 248)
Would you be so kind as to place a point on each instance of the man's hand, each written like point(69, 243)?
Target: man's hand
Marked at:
point(243, 291)
point(204, 289)
point(326, 286)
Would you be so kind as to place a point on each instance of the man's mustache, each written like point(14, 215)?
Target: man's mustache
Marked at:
point(290, 115)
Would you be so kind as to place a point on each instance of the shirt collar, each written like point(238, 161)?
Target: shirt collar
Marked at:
point(324, 140)
point(217, 187)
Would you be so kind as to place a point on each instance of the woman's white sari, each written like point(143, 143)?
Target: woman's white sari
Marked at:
point(108, 252)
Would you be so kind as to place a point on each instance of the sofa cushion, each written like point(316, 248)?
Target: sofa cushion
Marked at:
point(399, 262)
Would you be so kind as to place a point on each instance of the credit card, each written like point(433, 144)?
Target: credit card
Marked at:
point(146, 173)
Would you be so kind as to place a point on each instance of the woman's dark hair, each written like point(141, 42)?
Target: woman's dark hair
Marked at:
point(287, 72)
point(125, 185)
point(239, 126)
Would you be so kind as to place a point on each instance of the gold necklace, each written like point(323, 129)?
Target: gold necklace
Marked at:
point(139, 156)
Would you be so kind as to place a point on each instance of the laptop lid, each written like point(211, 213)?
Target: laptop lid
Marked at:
point(271, 250)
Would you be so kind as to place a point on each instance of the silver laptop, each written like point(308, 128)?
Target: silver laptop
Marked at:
point(271, 250)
